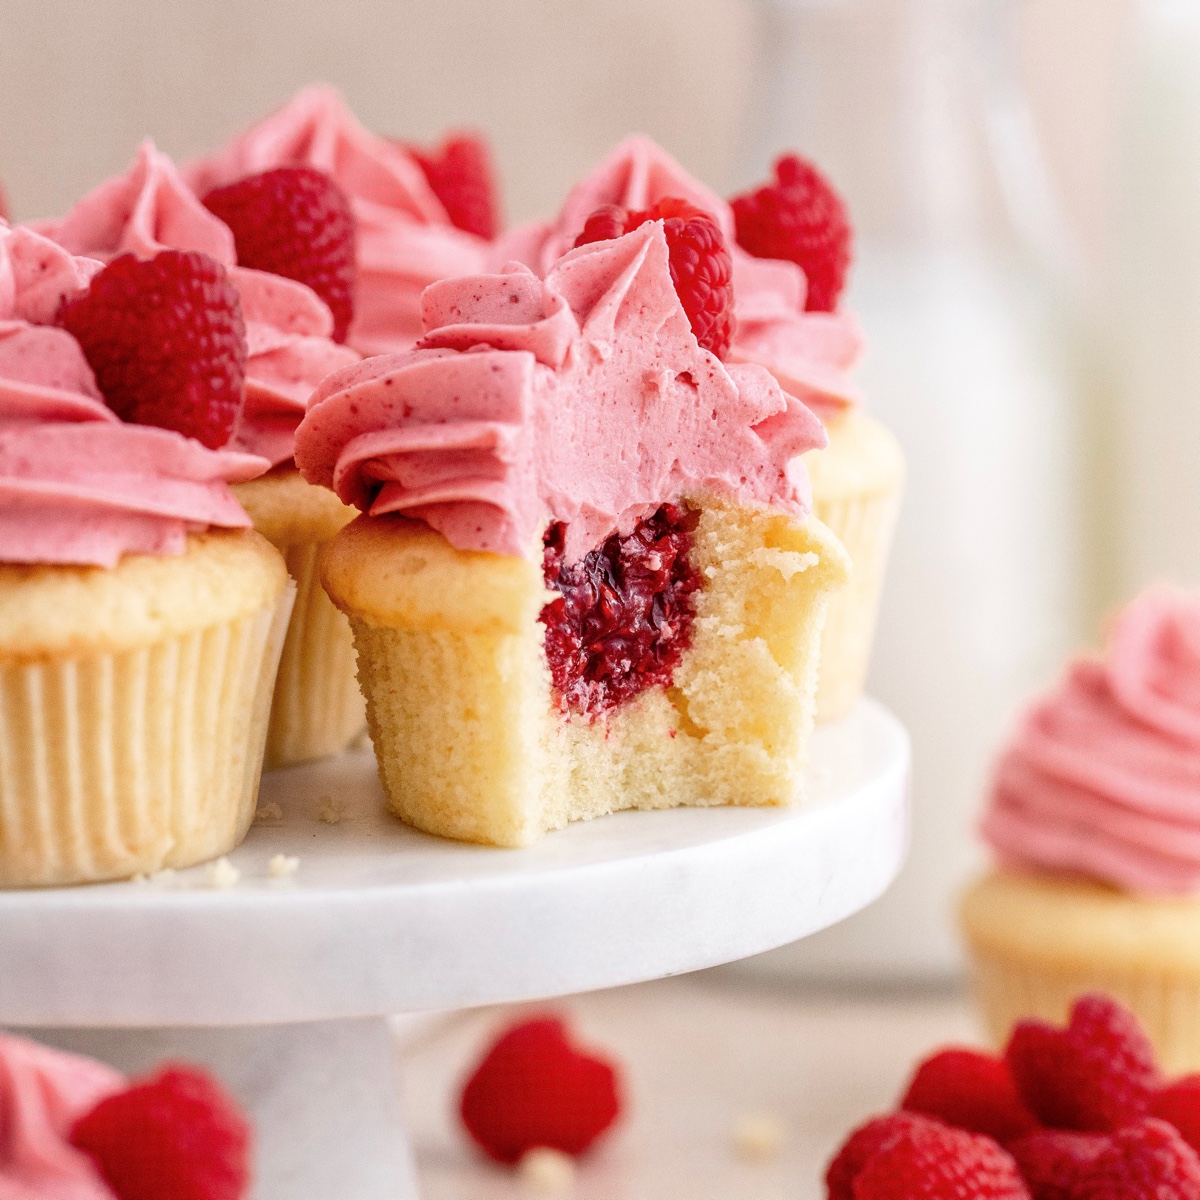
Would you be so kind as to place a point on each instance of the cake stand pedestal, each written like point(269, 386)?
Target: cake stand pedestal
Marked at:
point(280, 986)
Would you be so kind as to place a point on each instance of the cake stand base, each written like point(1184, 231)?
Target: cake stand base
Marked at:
point(322, 1095)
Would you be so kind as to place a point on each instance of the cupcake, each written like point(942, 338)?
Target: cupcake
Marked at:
point(789, 323)
point(421, 215)
point(1094, 818)
point(297, 221)
point(585, 577)
point(141, 619)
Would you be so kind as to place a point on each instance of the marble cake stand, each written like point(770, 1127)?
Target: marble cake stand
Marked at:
point(280, 985)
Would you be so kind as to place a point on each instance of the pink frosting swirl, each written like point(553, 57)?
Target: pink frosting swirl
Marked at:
point(405, 239)
point(811, 354)
point(288, 327)
point(1103, 775)
point(584, 399)
point(43, 1092)
point(78, 485)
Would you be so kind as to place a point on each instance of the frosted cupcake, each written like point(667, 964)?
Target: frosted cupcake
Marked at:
point(1095, 819)
point(586, 577)
point(141, 619)
point(790, 324)
point(288, 221)
point(421, 215)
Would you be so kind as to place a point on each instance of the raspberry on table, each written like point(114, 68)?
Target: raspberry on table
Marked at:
point(1052, 1161)
point(534, 1088)
point(1096, 1075)
point(176, 1135)
point(801, 218)
point(971, 1091)
point(461, 175)
point(167, 343)
point(862, 1145)
point(1144, 1161)
point(1179, 1104)
point(701, 265)
point(295, 222)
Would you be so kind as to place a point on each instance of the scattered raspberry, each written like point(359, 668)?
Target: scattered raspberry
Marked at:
point(970, 1091)
point(862, 1145)
point(176, 1134)
point(295, 222)
point(1179, 1104)
point(166, 340)
point(1052, 1161)
point(701, 265)
point(1144, 1161)
point(938, 1163)
point(800, 218)
point(1096, 1075)
point(461, 175)
point(533, 1088)
point(624, 614)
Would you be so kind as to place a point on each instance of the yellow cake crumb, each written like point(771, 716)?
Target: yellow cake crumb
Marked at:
point(757, 1137)
point(547, 1171)
point(222, 874)
point(330, 811)
point(283, 866)
point(268, 814)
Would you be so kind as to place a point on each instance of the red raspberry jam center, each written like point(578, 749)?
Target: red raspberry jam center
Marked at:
point(624, 614)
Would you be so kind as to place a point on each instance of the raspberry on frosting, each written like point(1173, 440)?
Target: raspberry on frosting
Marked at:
point(461, 174)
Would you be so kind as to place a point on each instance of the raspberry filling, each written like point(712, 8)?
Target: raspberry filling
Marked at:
point(624, 613)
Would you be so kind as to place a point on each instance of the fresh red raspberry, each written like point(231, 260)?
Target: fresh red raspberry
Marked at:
point(970, 1091)
point(862, 1145)
point(461, 174)
point(1052, 1161)
point(1179, 1104)
point(166, 340)
point(176, 1134)
point(295, 222)
point(939, 1163)
point(534, 1088)
point(1144, 1161)
point(1095, 1076)
point(800, 218)
point(701, 265)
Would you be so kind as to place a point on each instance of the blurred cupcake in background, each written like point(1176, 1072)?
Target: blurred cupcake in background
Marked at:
point(790, 244)
point(1094, 818)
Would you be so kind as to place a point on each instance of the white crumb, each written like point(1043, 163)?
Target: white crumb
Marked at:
point(330, 810)
point(283, 866)
point(222, 874)
point(547, 1171)
point(757, 1137)
point(268, 814)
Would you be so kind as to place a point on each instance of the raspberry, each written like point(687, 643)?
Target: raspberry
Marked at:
point(176, 1134)
point(1052, 1162)
point(1144, 1161)
point(701, 265)
point(1179, 1104)
point(970, 1091)
point(624, 614)
point(938, 1163)
point(295, 222)
point(166, 341)
point(862, 1145)
point(1095, 1076)
point(800, 218)
point(534, 1088)
point(461, 175)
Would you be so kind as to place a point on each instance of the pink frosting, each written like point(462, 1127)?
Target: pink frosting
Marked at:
point(405, 239)
point(811, 354)
point(288, 327)
point(1103, 775)
point(78, 485)
point(43, 1092)
point(584, 399)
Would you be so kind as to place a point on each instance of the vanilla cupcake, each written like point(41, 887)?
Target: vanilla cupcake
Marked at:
point(1095, 820)
point(141, 619)
point(318, 707)
point(857, 478)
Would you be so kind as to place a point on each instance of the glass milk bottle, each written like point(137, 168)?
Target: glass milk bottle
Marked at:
point(914, 108)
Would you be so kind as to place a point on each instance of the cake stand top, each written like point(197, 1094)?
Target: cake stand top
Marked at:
point(379, 918)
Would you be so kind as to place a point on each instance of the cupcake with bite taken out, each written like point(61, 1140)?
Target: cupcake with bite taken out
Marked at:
point(286, 239)
point(790, 248)
point(1094, 817)
point(141, 619)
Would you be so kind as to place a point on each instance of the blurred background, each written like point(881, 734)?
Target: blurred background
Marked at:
point(1025, 184)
